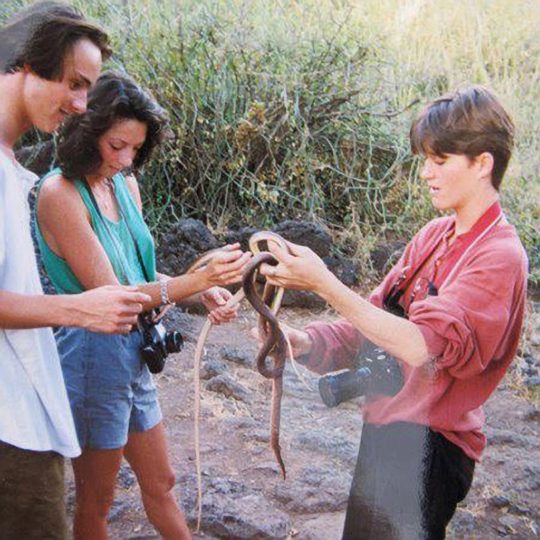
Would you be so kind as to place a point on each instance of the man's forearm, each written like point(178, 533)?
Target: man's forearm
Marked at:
point(18, 311)
point(398, 336)
point(34, 311)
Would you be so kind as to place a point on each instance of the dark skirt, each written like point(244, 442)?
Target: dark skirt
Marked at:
point(407, 483)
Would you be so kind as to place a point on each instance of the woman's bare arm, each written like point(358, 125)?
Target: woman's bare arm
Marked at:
point(65, 225)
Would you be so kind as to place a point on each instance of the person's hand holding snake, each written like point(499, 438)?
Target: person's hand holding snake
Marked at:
point(300, 268)
point(300, 340)
point(215, 301)
point(224, 266)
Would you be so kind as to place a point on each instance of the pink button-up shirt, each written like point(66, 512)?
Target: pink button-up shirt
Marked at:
point(472, 327)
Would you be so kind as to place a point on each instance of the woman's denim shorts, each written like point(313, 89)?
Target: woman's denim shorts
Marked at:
point(110, 389)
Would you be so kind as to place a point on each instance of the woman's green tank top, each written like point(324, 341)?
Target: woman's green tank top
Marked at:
point(116, 239)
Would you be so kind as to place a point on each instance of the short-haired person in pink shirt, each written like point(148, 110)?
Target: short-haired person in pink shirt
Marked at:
point(460, 286)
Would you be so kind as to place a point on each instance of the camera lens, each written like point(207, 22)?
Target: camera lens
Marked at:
point(154, 358)
point(338, 387)
point(174, 342)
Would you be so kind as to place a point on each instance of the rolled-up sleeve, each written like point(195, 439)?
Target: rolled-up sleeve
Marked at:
point(466, 325)
point(334, 346)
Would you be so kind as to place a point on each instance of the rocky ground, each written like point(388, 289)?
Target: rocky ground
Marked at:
point(244, 494)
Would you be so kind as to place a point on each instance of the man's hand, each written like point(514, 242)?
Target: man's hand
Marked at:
point(110, 309)
point(300, 340)
point(215, 300)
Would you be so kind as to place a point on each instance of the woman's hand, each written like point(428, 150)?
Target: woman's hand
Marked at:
point(299, 268)
point(215, 301)
point(226, 266)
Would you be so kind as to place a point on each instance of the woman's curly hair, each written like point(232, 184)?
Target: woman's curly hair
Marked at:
point(114, 97)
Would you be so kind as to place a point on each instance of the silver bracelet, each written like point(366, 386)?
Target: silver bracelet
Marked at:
point(164, 292)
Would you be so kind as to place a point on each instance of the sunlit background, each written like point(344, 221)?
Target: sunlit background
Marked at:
point(285, 109)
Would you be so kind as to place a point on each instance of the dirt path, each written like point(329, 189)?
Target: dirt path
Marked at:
point(244, 495)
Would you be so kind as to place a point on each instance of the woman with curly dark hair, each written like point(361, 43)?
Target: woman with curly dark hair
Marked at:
point(91, 232)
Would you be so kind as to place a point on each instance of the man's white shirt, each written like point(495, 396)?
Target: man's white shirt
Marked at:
point(34, 408)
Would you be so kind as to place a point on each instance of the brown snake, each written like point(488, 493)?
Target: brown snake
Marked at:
point(274, 344)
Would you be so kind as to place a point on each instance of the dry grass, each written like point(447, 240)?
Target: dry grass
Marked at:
point(286, 108)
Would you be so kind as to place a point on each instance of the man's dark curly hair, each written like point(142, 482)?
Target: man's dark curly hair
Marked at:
point(41, 35)
point(115, 97)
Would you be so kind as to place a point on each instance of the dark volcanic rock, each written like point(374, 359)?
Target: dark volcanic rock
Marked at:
point(335, 446)
point(503, 436)
point(532, 414)
point(384, 256)
point(270, 468)
point(190, 238)
point(533, 469)
point(182, 322)
point(519, 509)
point(499, 501)
point(117, 509)
point(233, 509)
point(508, 524)
point(306, 233)
point(239, 356)
point(463, 524)
point(241, 235)
point(226, 385)
point(533, 381)
point(320, 490)
point(195, 233)
point(126, 477)
point(176, 258)
point(242, 518)
point(260, 435)
point(345, 270)
point(211, 368)
point(186, 240)
point(241, 423)
point(304, 299)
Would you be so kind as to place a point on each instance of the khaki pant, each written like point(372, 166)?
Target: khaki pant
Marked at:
point(31, 495)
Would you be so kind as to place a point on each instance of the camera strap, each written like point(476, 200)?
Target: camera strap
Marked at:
point(114, 241)
point(485, 224)
point(135, 243)
point(111, 236)
point(107, 229)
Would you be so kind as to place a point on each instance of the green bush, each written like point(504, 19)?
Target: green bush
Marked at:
point(288, 109)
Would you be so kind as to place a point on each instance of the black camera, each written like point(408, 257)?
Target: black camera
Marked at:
point(157, 343)
point(375, 372)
